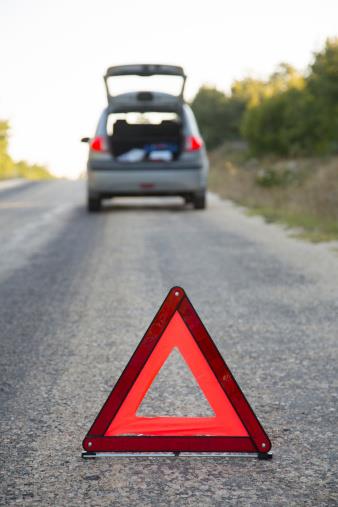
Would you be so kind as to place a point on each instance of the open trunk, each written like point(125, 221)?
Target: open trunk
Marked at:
point(148, 73)
point(146, 140)
point(145, 122)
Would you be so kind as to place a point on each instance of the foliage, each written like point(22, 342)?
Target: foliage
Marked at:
point(11, 169)
point(281, 124)
point(273, 178)
point(322, 84)
point(301, 192)
point(6, 163)
point(289, 114)
point(218, 115)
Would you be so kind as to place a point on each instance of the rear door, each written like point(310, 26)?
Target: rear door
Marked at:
point(145, 71)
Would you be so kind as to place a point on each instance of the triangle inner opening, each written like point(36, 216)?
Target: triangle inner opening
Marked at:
point(175, 392)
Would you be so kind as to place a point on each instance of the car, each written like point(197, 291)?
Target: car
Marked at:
point(147, 142)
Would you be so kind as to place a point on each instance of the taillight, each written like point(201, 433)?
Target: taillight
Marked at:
point(193, 143)
point(98, 144)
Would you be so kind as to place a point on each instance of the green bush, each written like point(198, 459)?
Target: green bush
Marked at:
point(289, 114)
point(278, 124)
point(276, 178)
point(218, 115)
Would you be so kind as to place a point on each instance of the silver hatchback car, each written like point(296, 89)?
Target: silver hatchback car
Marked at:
point(147, 143)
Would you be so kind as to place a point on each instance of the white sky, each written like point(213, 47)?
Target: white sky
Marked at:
point(55, 52)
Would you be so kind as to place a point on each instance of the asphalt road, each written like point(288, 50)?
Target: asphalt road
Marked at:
point(78, 292)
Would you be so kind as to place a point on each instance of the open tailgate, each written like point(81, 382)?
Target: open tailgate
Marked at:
point(144, 70)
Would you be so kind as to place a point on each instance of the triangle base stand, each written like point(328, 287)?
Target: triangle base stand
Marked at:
point(258, 455)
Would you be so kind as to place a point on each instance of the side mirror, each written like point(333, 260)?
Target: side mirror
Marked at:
point(85, 139)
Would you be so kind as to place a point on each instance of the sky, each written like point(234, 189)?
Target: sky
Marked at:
point(55, 52)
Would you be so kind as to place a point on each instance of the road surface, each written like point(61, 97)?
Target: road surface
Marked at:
point(77, 293)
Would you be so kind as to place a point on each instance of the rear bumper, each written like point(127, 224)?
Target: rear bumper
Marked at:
point(153, 181)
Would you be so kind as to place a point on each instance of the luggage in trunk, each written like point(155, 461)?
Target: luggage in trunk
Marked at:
point(165, 137)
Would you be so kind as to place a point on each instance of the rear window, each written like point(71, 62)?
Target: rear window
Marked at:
point(157, 83)
point(137, 118)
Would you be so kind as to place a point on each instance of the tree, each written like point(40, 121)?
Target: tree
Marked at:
point(218, 115)
point(322, 84)
point(7, 166)
point(277, 125)
point(11, 169)
point(288, 114)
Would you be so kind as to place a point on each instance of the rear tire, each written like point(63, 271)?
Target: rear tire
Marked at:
point(93, 204)
point(200, 200)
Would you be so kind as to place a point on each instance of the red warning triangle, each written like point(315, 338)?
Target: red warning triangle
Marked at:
point(233, 427)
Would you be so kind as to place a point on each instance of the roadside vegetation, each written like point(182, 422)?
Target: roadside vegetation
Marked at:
point(273, 144)
point(11, 169)
point(299, 192)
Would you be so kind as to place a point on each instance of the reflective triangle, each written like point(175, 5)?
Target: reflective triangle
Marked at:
point(233, 427)
point(225, 421)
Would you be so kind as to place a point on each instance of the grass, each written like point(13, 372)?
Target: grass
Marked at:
point(299, 193)
point(311, 228)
